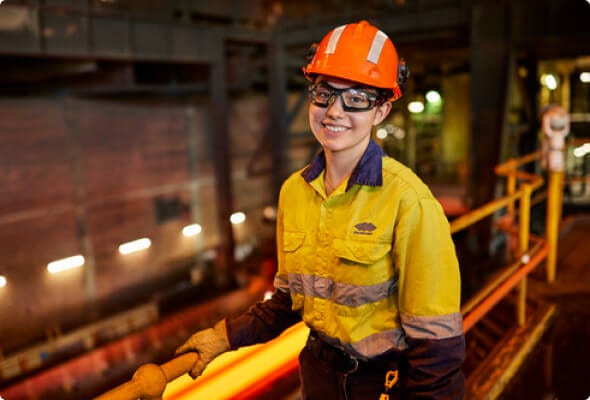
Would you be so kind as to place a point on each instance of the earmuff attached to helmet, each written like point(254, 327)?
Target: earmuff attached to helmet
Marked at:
point(403, 73)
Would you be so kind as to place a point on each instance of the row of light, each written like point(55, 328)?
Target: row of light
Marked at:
point(582, 150)
point(551, 82)
point(133, 246)
point(390, 129)
point(417, 106)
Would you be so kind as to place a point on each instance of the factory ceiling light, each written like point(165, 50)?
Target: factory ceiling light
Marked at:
point(65, 264)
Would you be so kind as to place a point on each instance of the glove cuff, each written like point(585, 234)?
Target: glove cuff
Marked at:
point(220, 329)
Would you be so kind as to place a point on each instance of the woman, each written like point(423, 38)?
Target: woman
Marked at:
point(365, 255)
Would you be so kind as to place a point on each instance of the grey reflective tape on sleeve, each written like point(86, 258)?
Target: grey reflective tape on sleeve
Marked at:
point(334, 38)
point(376, 47)
point(432, 327)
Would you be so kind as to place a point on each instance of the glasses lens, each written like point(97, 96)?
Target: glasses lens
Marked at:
point(320, 95)
point(353, 99)
point(357, 99)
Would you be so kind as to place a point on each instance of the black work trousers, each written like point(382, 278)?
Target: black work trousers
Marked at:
point(328, 373)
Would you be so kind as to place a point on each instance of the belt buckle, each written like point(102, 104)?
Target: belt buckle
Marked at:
point(355, 363)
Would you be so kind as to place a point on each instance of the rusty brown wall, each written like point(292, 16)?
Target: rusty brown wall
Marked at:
point(99, 164)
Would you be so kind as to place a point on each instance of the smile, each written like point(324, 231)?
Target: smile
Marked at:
point(332, 128)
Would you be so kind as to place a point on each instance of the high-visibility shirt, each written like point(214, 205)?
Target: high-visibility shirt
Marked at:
point(371, 264)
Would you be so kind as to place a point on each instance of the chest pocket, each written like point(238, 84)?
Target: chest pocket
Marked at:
point(360, 252)
point(292, 241)
point(294, 252)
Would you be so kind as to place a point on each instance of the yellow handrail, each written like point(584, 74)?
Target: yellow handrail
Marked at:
point(520, 186)
point(466, 220)
point(150, 380)
point(509, 166)
point(500, 277)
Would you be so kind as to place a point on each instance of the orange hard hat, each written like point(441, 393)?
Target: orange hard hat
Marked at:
point(361, 53)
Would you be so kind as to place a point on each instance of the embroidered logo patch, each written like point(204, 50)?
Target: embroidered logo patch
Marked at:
point(364, 228)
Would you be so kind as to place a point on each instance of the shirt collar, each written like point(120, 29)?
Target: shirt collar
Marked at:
point(367, 172)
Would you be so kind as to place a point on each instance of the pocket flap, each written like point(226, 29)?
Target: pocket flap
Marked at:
point(364, 252)
point(292, 240)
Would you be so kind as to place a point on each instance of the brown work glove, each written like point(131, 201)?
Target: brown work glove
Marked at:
point(208, 343)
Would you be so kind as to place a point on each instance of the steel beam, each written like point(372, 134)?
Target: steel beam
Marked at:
point(278, 130)
point(423, 20)
point(491, 57)
point(220, 145)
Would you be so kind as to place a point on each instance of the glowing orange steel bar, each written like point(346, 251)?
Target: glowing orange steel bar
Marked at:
point(244, 373)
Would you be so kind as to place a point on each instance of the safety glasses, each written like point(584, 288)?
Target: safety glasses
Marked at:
point(354, 99)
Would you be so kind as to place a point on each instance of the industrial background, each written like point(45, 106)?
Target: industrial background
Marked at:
point(170, 125)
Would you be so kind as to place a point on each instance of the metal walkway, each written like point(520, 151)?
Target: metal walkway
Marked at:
point(573, 263)
point(558, 366)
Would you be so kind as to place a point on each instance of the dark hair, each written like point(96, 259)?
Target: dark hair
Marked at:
point(387, 93)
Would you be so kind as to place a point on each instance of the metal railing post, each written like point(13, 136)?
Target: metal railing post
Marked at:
point(556, 125)
point(512, 166)
point(554, 197)
point(524, 234)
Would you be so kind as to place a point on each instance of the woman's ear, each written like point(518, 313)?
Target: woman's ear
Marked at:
point(382, 113)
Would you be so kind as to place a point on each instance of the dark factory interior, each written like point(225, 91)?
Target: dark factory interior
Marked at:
point(143, 145)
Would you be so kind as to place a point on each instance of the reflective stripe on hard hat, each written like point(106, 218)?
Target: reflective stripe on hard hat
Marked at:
point(331, 47)
point(376, 47)
point(374, 51)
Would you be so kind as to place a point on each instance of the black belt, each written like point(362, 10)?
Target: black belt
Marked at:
point(344, 361)
point(336, 357)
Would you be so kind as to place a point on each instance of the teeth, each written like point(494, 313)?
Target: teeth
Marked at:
point(335, 128)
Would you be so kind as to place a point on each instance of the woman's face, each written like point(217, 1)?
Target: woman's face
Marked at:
point(338, 130)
